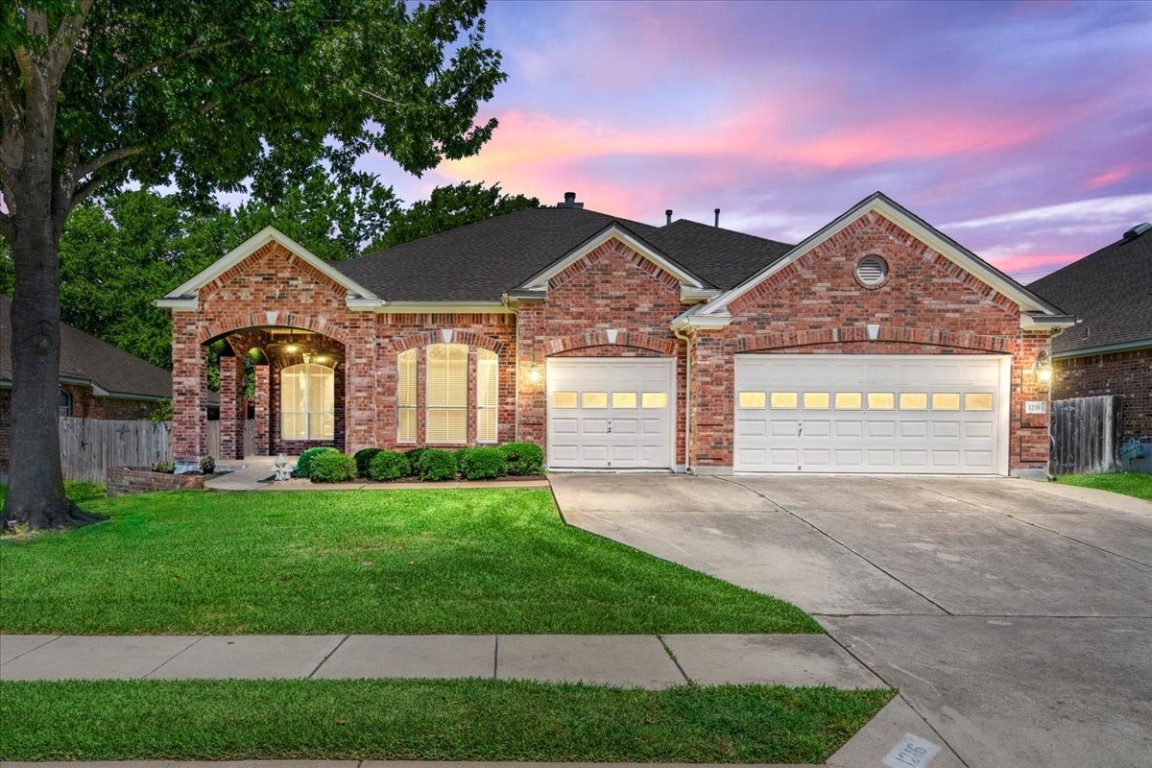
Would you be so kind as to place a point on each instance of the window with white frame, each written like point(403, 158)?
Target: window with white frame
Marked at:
point(487, 395)
point(447, 397)
point(406, 396)
point(307, 402)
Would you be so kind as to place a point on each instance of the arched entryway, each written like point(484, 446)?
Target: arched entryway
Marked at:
point(282, 390)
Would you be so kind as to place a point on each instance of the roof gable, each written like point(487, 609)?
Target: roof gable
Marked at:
point(614, 231)
point(185, 296)
point(1036, 310)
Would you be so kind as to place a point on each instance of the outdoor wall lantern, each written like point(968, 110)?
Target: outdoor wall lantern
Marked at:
point(534, 375)
point(1042, 368)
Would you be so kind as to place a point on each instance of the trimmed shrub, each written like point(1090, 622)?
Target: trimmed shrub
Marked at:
point(523, 458)
point(414, 460)
point(364, 458)
point(462, 458)
point(167, 467)
point(332, 467)
point(207, 465)
point(389, 465)
point(484, 464)
point(304, 463)
point(436, 464)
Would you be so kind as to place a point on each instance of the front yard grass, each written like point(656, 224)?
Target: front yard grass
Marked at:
point(1127, 483)
point(397, 562)
point(426, 720)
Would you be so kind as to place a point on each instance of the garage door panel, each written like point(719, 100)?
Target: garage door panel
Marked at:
point(610, 414)
point(869, 413)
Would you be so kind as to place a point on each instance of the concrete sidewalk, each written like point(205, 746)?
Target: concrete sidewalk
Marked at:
point(647, 661)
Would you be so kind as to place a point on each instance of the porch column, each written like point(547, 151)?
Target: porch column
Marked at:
point(359, 386)
point(261, 432)
point(232, 407)
point(189, 432)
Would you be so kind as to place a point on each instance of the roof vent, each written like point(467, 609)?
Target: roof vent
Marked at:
point(1137, 230)
point(668, 214)
point(569, 201)
point(871, 271)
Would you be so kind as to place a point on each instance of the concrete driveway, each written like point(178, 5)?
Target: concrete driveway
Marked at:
point(1014, 616)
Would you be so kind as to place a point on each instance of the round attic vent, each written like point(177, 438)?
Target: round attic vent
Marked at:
point(871, 271)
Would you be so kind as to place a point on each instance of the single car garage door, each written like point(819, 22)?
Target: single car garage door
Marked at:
point(942, 414)
point(611, 413)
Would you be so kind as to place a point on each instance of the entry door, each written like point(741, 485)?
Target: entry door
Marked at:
point(608, 413)
point(943, 414)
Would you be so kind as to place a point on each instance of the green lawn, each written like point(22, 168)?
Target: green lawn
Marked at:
point(395, 562)
point(1127, 483)
point(425, 720)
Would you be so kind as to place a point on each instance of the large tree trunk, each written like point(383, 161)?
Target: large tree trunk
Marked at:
point(36, 483)
point(39, 201)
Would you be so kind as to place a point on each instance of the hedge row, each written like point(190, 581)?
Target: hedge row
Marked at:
point(328, 465)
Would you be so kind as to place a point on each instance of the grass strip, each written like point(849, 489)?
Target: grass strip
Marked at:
point(1127, 483)
point(425, 720)
point(478, 561)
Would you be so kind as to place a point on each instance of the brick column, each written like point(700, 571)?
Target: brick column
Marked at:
point(261, 428)
point(232, 407)
point(359, 386)
point(189, 433)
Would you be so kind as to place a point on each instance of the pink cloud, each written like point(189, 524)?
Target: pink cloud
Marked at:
point(1109, 178)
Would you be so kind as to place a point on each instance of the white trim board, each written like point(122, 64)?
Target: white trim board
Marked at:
point(539, 281)
point(913, 225)
point(184, 296)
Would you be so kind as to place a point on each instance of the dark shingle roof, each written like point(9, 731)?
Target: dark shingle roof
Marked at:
point(1109, 290)
point(480, 261)
point(87, 359)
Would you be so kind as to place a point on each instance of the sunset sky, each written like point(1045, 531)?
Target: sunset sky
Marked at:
point(1021, 129)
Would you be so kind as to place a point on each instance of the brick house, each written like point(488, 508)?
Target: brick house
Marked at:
point(1109, 350)
point(97, 380)
point(876, 345)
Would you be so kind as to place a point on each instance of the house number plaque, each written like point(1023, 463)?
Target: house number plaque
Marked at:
point(1035, 406)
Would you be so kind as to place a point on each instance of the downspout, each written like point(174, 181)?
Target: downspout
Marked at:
point(687, 339)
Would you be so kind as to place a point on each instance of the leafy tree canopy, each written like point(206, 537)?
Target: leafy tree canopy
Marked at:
point(447, 208)
point(204, 96)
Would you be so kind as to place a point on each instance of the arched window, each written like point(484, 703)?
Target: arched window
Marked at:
point(487, 396)
point(65, 403)
point(406, 396)
point(447, 404)
point(307, 402)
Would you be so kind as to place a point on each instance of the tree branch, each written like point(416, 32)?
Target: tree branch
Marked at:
point(112, 156)
point(136, 74)
point(64, 43)
point(84, 191)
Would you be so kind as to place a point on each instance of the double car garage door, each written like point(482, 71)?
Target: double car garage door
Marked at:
point(870, 413)
point(793, 413)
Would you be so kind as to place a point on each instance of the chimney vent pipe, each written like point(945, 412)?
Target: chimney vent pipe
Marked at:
point(668, 214)
point(717, 217)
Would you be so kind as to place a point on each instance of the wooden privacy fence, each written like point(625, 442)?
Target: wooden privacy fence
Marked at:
point(214, 439)
point(1086, 435)
point(89, 446)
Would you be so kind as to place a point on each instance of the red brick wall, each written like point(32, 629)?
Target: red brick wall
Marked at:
point(927, 305)
point(612, 288)
point(272, 288)
point(1127, 374)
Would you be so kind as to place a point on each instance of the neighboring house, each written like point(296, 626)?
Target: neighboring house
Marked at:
point(1109, 350)
point(876, 345)
point(97, 380)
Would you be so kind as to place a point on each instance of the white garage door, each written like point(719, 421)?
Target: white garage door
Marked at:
point(871, 413)
point(611, 413)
